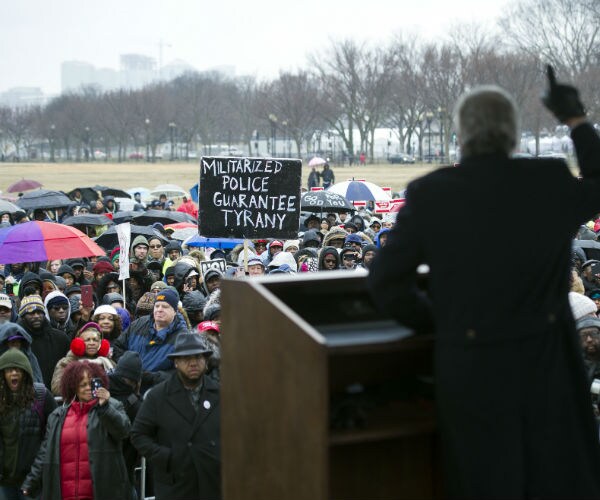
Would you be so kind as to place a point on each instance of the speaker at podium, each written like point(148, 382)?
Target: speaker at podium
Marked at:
point(322, 396)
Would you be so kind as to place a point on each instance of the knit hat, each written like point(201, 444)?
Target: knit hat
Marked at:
point(103, 267)
point(588, 322)
point(5, 301)
point(291, 243)
point(145, 304)
point(129, 366)
point(66, 269)
point(161, 285)
point(90, 325)
point(30, 304)
point(59, 298)
point(125, 318)
point(14, 358)
point(168, 296)
point(581, 305)
point(105, 309)
point(114, 254)
point(72, 289)
point(194, 301)
point(112, 297)
point(74, 300)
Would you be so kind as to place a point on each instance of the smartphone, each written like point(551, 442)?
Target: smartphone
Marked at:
point(96, 384)
point(87, 295)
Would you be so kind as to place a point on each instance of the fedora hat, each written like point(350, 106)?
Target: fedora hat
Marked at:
point(189, 344)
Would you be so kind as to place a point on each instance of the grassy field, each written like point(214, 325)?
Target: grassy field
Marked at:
point(66, 176)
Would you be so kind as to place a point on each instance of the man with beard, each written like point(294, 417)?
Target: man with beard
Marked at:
point(178, 427)
point(48, 344)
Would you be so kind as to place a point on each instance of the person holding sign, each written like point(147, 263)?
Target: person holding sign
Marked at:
point(513, 402)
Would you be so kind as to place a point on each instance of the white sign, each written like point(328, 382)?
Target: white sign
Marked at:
point(219, 264)
point(124, 234)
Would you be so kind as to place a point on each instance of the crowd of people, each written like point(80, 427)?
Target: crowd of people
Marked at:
point(159, 329)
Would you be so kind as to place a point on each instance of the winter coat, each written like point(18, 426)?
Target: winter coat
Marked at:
point(184, 447)
point(329, 251)
point(30, 426)
point(49, 345)
point(107, 426)
point(512, 397)
point(8, 330)
point(152, 346)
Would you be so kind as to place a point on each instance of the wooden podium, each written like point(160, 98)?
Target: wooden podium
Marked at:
point(322, 398)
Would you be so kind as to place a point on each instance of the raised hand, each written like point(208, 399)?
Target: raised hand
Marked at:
point(562, 100)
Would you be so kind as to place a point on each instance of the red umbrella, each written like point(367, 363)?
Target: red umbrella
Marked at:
point(23, 185)
point(38, 241)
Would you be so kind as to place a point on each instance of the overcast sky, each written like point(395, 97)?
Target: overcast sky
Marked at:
point(258, 37)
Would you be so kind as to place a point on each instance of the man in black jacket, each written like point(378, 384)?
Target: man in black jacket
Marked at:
point(512, 398)
point(178, 427)
point(48, 344)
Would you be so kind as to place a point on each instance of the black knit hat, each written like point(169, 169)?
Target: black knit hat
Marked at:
point(129, 366)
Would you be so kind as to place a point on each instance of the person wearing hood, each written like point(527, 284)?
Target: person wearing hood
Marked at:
point(335, 237)
point(381, 237)
point(79, 268)
point(211, 282)
point(307, 260)
point(48, 282)
point(14, 336)
point(349, 257)
point(31, 284)
point(193, 303)
point(186, 277)
point(368, 254)
point(153, 337)
point(329, 259)
point(359, 222)
point(68, 273)
point(311, 239)
point(47, 343)
point(110, 205)
point(24, 408)
point(58, 312)
point(283, 262)
point(139, 250)
point(87, 345)
point(273, 248)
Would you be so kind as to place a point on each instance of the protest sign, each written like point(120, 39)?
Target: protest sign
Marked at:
point(219, 264)
point(124, 235)
point(249, 197)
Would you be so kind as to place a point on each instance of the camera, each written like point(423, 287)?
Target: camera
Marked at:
point(96, 384)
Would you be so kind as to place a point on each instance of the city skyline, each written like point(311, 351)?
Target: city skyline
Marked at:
point(258, 38)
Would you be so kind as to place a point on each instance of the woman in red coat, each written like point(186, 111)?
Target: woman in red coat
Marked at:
point(81, 457)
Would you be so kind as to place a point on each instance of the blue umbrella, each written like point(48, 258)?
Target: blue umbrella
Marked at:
point(360, 191)
point(194, 192)
point(203, 241)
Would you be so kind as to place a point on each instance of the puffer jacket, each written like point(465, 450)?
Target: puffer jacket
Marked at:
point(75, 473)
point(107, 426)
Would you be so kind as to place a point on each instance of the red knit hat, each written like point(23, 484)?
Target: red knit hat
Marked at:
point(103, 267)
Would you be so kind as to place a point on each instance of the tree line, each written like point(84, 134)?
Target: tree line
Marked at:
point(405, 85)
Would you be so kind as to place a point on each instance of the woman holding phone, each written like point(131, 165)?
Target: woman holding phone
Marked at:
point(81, 455)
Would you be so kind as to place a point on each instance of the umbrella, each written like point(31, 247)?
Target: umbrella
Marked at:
point(360, 191)
point(7, 206)
point(87, 220)
point(88, 194)
point(202, 241)
point(170, 190)
point(162, 216)
point(194, 192)
point(185, 233)
point(23, 185)
point(109, 239)
point(39, 241)
point(44, 198)
point(181, 225)
point(144, 193)
point(125, 216)
point(108, 191)
point(316, 162)
point(324, 201)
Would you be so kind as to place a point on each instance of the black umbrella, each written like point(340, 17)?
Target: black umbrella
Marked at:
point(88, 194)
point(125, 216)
point(109, 191)
point(109, 239)
point(162, 216)
point(44, 198)
point(324, 201)
point(87, 220)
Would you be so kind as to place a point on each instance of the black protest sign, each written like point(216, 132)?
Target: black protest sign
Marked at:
point(249, 197)
point(218, 264)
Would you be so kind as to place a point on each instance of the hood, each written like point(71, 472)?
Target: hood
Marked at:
point(282, 259)
point(383, 231)
point(181, 270)
point(334, 233)
point(310, 235)
point(194, 301)
point(28, 277)
point(140, 239)
point(7, 330)
point(50, 296)
point(357, 220)
point(328, 251)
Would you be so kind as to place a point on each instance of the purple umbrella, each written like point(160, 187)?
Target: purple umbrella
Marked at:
point(23, 185)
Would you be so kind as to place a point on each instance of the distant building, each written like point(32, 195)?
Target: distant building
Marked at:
point(175, 69)
point(137, 70)
point(76, 74)
point(19, 97)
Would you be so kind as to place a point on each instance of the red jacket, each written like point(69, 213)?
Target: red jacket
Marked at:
point(189, 207)
point(75, 473)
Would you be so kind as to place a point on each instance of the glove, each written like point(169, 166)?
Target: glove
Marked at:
point(562, 100)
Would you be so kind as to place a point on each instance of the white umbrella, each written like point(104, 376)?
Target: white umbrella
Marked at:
point(316, 162)
point(360, 191)
point(171, 190)
point(7, 206)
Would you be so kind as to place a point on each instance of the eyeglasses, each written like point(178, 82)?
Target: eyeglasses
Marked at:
point(63, 307)
point(155, 246)
point(595, 334)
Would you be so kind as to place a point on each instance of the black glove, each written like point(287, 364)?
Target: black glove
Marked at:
point(562, 100)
